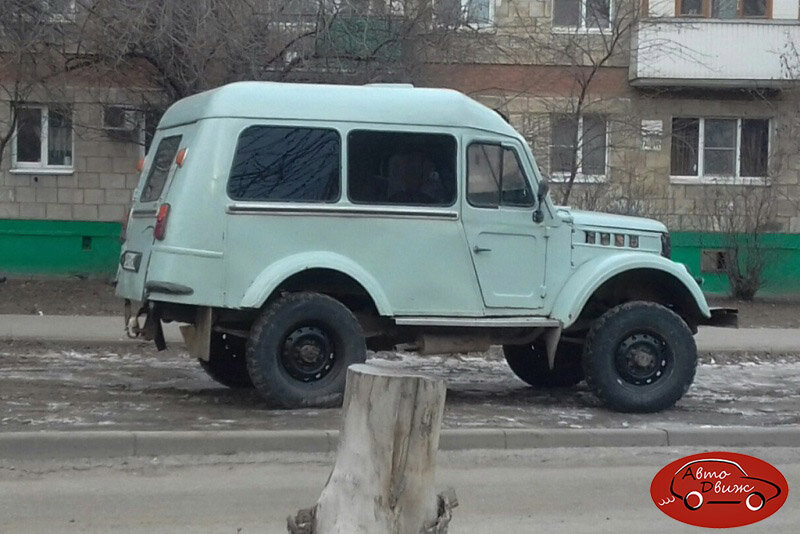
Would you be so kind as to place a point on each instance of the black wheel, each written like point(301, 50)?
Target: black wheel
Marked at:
point(529, 363)
point(299, 350)
point(227, 364)
point(639, 357)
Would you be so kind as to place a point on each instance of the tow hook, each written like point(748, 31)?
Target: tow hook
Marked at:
point(132, 328)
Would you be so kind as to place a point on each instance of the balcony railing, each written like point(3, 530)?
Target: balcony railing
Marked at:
point(715, 53)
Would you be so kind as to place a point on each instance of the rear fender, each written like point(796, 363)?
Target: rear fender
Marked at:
point(272, 277)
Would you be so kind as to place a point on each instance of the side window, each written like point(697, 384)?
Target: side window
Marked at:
point(495, 177)
point(159, 170)
point(286, 164)
point(399, 168)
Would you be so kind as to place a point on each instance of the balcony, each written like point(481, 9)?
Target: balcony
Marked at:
point(717, 54)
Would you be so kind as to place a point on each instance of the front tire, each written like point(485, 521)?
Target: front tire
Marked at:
point(300, 348)
point(226, 363)
point(639, 357)
point(529, 363)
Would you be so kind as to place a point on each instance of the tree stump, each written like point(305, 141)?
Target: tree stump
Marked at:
point(383, 478)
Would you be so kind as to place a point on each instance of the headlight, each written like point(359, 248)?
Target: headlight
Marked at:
point(666, 245)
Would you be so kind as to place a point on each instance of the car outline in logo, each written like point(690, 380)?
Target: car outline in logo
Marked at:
point(754, 501)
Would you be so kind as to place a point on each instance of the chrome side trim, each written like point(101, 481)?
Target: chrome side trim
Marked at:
point(341, 211)
point(200, 253)
point(486, 322)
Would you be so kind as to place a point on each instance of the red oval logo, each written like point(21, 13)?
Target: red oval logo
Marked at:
point(719, 490)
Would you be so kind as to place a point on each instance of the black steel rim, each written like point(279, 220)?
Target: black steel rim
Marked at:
point(643, 358)
point(308, 354)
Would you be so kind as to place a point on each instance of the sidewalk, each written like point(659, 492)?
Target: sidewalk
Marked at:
point(100, 329)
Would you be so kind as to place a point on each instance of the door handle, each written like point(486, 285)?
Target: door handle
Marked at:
point(477, 250)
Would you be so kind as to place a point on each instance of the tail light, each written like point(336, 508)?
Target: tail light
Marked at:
point(161, 222)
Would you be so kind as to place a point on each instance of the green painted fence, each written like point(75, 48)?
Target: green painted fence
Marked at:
point(781, 254)
point(59, 247)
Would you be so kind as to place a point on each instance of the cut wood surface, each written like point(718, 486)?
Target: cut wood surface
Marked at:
point(383, 479)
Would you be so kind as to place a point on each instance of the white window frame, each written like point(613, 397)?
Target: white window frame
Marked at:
point(560, 177)
point(737, 179)
point(582, 27)
point(465, 24)
point(41, 167)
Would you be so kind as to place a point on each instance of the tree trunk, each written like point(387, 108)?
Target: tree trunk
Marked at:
point(382, 481)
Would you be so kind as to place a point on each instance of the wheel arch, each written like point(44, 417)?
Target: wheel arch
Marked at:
point(326, 273)
point(616, 280)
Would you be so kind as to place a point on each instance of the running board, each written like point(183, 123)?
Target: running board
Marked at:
point(482, 322)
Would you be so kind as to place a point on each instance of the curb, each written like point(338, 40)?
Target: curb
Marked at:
point(115, 444)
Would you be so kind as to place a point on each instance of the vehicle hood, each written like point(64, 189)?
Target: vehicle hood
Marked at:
point(596, 219)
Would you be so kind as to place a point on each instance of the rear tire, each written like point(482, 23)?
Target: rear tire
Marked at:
point(227, 364)
point(639, 357)
point(300, 348)
point(529, 363)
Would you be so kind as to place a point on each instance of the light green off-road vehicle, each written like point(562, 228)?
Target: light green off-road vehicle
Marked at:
point(293, 227)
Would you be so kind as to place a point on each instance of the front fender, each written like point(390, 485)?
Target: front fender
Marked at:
point(591, 275)
point(271, 277)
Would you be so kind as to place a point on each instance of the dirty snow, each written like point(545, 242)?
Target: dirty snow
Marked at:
point(134, 387)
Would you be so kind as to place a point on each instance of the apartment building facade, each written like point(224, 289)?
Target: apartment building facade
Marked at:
point(683, 110)
point(686, 111)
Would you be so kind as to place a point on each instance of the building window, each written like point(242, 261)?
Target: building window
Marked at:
point(582, 14)
point(588, 156)
point(43, 138)
point(724, 9)
point(286, 164)
point(719, 147)
point(464, 13)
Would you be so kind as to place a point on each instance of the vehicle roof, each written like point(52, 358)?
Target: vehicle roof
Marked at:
point(378, 103)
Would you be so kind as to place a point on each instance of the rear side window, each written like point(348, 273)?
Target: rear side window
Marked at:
point(159, 170)
point(413, 169)
point(286, 164)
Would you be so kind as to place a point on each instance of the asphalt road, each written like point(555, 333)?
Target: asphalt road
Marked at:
point(549, 490)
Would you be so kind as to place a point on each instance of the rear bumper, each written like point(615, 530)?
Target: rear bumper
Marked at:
point(724, 317)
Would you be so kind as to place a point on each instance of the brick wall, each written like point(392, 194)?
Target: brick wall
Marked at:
point(97, 188)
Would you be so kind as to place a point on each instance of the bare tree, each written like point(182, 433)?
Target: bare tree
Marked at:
point(33, 49)
point(185, 46)
point(582, 45)
point(742, 214)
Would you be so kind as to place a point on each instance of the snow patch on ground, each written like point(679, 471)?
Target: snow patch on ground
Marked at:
point(142, 389)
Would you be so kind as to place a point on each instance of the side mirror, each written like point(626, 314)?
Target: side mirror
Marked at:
point(544, 189)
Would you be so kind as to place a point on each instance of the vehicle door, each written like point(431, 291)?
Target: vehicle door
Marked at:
point(159, 169)
point(507, 246)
